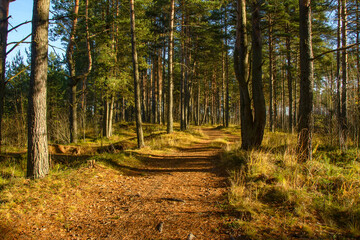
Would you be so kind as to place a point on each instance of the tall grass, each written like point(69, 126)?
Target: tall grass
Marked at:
point(274, 196)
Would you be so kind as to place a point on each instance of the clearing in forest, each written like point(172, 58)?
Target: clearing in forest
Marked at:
point(168, 196)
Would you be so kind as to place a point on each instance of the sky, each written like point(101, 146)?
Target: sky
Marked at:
point(21, 11)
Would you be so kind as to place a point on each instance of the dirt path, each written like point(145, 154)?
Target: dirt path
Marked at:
point(184, 192)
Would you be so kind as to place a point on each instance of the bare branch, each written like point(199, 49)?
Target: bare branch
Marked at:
point(17, 44)
point(334, 50)
point(11, 78)
point(21, 24)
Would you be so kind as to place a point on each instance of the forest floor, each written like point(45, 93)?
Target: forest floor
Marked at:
point(169, 195)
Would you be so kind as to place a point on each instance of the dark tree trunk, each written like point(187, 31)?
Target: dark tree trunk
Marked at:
point(306, 83)
point(4, 12)
point(252, 124)
point(358, 63)
point(227, 101)
point(271, 121)
point(111, 115)
point(154, 93)
point(159, 86)
point(343, 119)
point(38, 154)
point(106, 118)
point(73, 79)
point(139, 130)
point(338, 81)
point(170, 124)
point(289, 76)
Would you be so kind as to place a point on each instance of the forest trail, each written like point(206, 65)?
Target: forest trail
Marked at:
point(183, 192)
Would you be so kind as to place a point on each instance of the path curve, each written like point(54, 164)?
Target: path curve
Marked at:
point(184, 193)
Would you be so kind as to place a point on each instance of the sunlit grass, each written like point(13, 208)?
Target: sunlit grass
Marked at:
point(276, 196)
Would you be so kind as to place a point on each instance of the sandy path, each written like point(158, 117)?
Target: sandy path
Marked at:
point(185, 192)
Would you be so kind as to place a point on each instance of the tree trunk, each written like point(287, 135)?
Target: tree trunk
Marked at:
point(198, 102)
point(170, 124)
point(159, 86)
point(4, 13)
point(338, 81)
point(358, 63)
point(106, 118)
point(271, 121)
point(139, 130)
point(252, 124)
point(227, 101)
point(306, 83)
point(38, 154)
point(289, 77)
point(73, 79)
point(111, 114)
point(343, 119)
point(153, 92)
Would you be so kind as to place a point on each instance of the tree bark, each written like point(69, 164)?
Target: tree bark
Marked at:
point(4, 13)
point(159, 86)
point(252, 123)
point(271, 121)
point(227, 101)
point(306, 83)
point(170, 124)
point(343, 121)
point(139, 130)
point(73, 79)
point(289, 76)
point(38, 154)
point(111, 114)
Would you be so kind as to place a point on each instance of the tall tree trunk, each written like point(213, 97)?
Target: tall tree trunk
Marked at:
point(227, 101)
point(106, 118)
point(139, 130)
point(84, 78)
point(198, 102)
point(344, 69)
point(289, 76)
point(38, 155)
point(170, 120)
point(4, 13)
point(153, 87)
point(182, 78)
point(306, 83)
point(111, 114)
point(274, 90)
point(222, 98)
point(73, 79)
point(252, 125)
point(358, 63)
point(159, 86)
point(338, 66)
point(271, 121)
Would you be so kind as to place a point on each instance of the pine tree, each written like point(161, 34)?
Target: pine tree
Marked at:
point(38, 154)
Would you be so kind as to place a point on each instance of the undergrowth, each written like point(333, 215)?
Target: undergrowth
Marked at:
point(275, 197)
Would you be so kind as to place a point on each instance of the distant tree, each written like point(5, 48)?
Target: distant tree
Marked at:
point(171, 67)
point(38, 155)
point(139, 130)
point(305, 121)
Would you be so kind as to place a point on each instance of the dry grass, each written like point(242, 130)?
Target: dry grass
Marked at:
point(277, 197)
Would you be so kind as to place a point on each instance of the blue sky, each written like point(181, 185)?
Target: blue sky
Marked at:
point(20, 11)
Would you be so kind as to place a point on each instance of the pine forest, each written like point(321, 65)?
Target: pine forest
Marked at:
point(180, 119)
